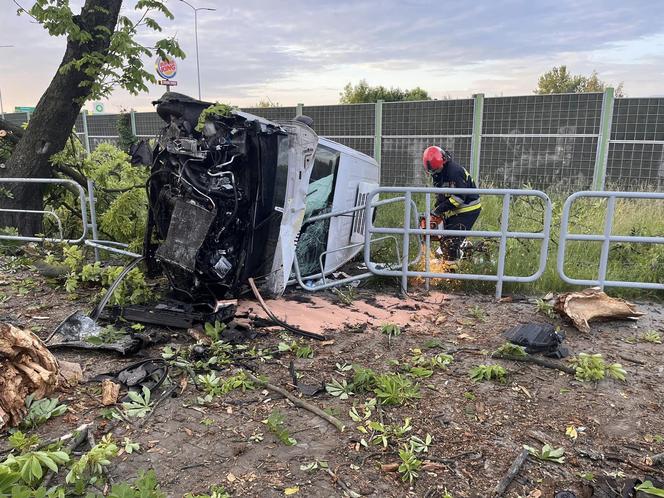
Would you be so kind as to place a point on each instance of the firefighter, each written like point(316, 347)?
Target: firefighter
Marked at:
point(456, 211)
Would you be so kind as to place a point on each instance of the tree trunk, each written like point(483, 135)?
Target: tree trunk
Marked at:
point(54, 117)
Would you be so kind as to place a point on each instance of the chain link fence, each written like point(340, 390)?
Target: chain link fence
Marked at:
point(554, 142)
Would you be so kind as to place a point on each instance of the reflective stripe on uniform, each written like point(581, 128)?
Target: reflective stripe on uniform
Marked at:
point(466, 209)
point(456, 201)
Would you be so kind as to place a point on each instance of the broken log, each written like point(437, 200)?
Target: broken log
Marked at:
point(539, 361)
point(505, 482)
point(278, 321)
point(590, 304)
point(26, 367)
point(297, 401)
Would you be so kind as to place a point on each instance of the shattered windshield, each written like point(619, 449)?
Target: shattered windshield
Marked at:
point(320, 196)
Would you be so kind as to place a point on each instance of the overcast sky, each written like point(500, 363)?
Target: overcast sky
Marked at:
point(306, 51)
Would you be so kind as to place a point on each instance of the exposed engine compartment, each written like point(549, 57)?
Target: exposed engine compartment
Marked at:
point(216, 193)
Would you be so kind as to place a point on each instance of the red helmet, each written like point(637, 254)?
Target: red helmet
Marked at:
point(433, 159)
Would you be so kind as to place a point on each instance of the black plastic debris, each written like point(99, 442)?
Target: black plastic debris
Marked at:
point(538, 338)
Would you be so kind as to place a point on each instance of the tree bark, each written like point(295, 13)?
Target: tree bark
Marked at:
point(54, 117)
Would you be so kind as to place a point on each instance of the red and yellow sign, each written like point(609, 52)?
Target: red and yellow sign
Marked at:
point(166, 68)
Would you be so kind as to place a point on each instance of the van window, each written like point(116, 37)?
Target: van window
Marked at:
point(320, 196)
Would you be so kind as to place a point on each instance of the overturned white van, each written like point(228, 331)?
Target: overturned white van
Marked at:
point(234, 196)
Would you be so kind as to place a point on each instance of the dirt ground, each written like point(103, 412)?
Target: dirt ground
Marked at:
point(478, 429)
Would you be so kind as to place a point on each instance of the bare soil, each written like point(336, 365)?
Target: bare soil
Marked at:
point(478, 429)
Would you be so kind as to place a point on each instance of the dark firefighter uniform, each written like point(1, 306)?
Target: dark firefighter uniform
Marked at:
point(459, 211)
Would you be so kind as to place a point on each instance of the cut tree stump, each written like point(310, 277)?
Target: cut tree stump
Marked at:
point(590, 304)
point(26, 367)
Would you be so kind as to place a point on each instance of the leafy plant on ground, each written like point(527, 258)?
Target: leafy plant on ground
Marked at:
point(477, 313)
point(648, 488)
point(214, 330)
point(215, 492)
point(439, 361)
point(21, 442)
point(39, 411)
point(300, 350)
point(90, 467)
point(481, 373)
point(140, 405)
point(364, 379)
point(393, 389)
point(338, 389)
point(343, 367)
point(391, 330)
point(129, 446)
point(275, 423)
point(29, 468)
point(367, 409)
point(346, 295)
point(509, 349)
point(381, 434)
point(217, 386)
point(410, 464)
point(545, 308)
point(651, 336)
point(145, 486)
point(593, 368)
point(315, 465)
point(547, 454)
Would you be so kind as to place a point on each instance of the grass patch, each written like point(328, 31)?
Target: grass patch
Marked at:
point(627, 261)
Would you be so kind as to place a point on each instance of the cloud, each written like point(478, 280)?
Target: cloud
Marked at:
point(307, 50)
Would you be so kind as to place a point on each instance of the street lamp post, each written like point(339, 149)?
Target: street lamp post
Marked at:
point(2, 109)
point(198, 67)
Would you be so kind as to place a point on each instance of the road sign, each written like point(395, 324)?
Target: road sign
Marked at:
point(166, 68)
point(168, 82)
point(98, 107)
point(24, 109)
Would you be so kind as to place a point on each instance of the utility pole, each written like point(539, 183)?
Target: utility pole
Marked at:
point(198, 67)
point(2, 109)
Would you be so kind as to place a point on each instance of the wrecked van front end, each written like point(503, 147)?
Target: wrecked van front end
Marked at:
point(226, 199)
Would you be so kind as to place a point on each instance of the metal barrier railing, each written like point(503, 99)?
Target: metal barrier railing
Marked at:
point(406, 231)
point(606, 239)
point(50, 181)
point(313, 286)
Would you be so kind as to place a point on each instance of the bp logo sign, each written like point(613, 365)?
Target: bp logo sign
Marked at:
point(166, 68)
point(98, 107)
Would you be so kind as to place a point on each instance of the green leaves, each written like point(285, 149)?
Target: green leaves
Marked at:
point(481, 373)
point(547, 454)
point(338, 389)
point(509, 349)
point(648, 488)
point(275, 422)
point(140, 405)
point(40, 411)
point(410, 465)
point(592, 368)
point(393, 389)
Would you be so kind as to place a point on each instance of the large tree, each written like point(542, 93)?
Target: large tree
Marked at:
point(363, 93)
point(102, 53)
point(560, 80)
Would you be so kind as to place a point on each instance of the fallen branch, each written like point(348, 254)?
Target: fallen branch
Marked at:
point(277, 321)
point(343, 485)
point(511, 474)
point(78, 437)
point(167, 394)
point(297, 401)
point(631, 360)
point(539, 361)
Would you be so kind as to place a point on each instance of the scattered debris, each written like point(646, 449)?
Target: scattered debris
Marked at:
point(590, 304)
point(110, 391)
point(70, 373)
point(514, 469)
point(538, 338)
point(298, 402)
point(27, 367)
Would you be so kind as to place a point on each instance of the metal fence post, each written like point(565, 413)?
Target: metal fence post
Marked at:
point(86, 138)
point(93, 214)
point(132, 120)
point(27, 117)
point(476, 141)
point(299, 109)
point(602, 154)
point(378, 130)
